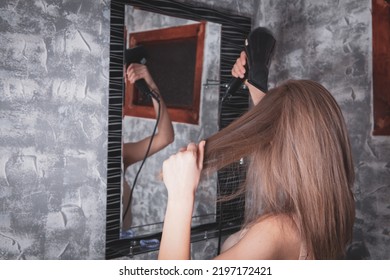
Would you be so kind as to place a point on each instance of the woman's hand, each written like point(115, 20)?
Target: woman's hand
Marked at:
point(181, 172)
point(238, 69)
point(137, 71)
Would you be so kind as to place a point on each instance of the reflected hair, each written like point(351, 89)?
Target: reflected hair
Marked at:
point(299, 163)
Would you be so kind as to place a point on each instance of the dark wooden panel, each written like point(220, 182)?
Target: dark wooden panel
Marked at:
point(381, 66)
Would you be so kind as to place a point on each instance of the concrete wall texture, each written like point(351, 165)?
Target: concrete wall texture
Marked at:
point(53, 128)
point(53, 114)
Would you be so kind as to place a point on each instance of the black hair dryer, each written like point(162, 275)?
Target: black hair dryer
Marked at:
point(259, 48)
point(138, 55)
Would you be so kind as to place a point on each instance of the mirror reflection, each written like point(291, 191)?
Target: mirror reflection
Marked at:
point(143, 193)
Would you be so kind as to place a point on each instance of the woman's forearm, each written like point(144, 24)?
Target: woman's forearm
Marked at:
point(176, 236)
point(165, 133)
point(181, 174)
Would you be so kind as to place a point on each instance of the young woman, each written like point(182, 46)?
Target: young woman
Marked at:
point(299, 203)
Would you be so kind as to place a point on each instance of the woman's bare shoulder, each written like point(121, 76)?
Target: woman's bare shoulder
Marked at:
point(270, 237)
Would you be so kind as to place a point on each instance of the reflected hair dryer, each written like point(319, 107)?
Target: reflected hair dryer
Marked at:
point(138, 55)
point(259, 47)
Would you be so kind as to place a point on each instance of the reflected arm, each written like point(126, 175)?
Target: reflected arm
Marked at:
point(135, 151)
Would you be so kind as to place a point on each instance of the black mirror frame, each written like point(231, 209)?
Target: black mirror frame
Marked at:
point(234, 30)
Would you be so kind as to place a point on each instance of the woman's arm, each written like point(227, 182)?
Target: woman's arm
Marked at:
point(239, 70)
point(133, 152)
point(181, 173)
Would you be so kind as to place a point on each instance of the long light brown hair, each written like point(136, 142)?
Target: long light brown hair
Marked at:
point(300, 163)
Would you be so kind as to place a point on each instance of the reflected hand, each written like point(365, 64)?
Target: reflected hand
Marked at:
point(181, 172)
point(137, 71)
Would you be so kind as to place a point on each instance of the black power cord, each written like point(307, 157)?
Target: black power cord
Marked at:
point(155, 96)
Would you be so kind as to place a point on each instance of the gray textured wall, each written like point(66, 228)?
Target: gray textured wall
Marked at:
point(54, 58)
point(330, 42)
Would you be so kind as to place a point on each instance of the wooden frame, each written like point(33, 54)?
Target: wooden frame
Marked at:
point(381, 66)
point(178, 113)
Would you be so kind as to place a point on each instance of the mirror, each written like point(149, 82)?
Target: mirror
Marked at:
point(145, 210)
point(224, 39)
